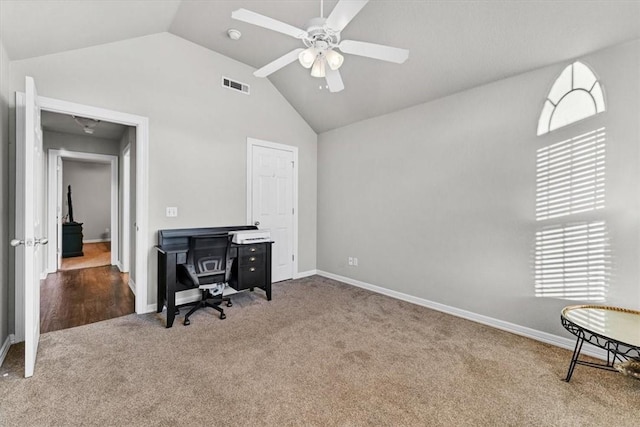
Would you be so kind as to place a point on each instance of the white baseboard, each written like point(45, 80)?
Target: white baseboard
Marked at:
point(120, 267)
point(184, 297)
point(307, 273)
point(187, 298)
point(95, 241)
point(192, 295)
point(5, 348)
point(524, 331)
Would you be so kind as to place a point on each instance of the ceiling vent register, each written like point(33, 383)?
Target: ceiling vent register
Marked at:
point(234, 85)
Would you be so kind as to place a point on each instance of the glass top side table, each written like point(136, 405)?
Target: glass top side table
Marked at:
point(616, 330)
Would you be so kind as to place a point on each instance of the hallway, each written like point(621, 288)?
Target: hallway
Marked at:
point(79, 297)
point(95, 255)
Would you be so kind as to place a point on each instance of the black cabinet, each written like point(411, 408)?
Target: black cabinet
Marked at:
point(72, 239)
point(252, 267)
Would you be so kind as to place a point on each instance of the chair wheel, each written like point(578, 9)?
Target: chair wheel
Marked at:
point(187, 322)
point(229, 304)
point(223, 316)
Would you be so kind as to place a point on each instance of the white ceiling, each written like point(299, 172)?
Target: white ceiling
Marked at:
point(65, 123)
point(454, 45)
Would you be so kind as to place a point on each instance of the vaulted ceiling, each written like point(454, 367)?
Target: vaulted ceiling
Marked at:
point(454, 45)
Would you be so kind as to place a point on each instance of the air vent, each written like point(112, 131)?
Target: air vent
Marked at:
point(231, 84)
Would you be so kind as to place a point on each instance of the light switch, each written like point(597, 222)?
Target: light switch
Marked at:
point(172, 211)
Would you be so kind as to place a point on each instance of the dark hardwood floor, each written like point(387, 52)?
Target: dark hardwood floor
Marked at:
point(78, 297)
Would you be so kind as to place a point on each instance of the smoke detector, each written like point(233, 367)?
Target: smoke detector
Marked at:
point(234, 34)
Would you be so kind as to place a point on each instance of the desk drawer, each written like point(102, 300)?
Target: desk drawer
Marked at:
point(251, 277)
point(252, 260)
point(251, 255)
point(250, 250)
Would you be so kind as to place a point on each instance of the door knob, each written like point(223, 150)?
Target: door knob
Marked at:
point(42, 241)
point(257, 223)
point(16, 242)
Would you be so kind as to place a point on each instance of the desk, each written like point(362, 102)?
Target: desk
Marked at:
point(251, 264)
point(616, 330)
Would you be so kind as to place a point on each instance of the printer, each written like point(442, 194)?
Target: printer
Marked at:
point(246, 237)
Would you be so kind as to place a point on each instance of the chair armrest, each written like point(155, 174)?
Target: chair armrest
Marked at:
point(191, 271)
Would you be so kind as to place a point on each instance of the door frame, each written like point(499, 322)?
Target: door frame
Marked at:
point(253, 142)
point(52, 203)
point(142, 181)
point(142, 189)
point(126, 209)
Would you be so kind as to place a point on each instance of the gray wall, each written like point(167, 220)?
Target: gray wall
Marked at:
point(438, 201)
point(78, 143)
point(4, 195)
point(94, 228)
point(198, 129)
point(91, 197)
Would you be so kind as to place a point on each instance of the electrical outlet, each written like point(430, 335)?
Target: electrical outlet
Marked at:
point(350, 260)
point(355, 262)
point(172, 211)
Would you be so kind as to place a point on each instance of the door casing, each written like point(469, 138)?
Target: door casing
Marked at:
point(141, 125)
point(55, 225)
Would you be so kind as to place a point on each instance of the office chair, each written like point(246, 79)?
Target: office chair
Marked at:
point(207, 268)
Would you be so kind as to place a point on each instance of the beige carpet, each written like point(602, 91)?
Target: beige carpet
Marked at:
point(320, 354)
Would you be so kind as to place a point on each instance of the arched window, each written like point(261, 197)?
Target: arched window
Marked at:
point(572, 245)
point(575, 95)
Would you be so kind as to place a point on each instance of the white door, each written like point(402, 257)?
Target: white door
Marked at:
point(29, 215)
point(272, 204)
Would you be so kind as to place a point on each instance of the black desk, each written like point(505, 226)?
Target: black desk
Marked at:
point(251, 264)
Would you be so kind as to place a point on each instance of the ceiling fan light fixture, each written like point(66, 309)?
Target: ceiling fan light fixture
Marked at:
point(307, 57)
point(334, 59)
point(318, 68)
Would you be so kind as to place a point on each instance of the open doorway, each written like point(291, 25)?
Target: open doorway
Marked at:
point(30, 215)
point(85, 241)
point(88, 179)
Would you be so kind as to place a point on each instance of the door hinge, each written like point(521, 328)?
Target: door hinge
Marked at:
point(293, 257)
point(293, 211)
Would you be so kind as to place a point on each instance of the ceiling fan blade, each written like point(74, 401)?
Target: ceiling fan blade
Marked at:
point(268, 23)
point(274, 66)
point(376, 51)
point(343, 13)
point(334, 80)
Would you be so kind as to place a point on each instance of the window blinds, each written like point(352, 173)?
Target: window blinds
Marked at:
point(570, 176)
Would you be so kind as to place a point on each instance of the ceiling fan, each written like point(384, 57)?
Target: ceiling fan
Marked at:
point(321, 39)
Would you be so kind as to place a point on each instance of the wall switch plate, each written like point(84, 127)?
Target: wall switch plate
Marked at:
point(355, 262)
point(350, 260)
point(172, 211)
